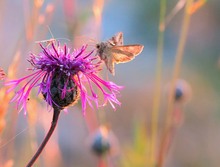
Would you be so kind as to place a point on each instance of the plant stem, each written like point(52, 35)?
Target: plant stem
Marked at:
point(176, 71)
point(56, 114)
point(102, 162)
point(156, 100)
point(178, 61)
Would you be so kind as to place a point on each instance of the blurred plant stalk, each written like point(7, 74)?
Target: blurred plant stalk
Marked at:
point(176, 71)
point(157, 92)
point(5, 97)
point(97, 11)
point(168, 132)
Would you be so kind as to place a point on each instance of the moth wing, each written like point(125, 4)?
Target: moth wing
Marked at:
point(121, 57)
point(108, 59)
point(117, 39)
point(109, 62)
point(126, 53)
point(135, 49)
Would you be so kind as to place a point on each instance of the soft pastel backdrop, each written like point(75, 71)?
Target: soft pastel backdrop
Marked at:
point(196, 142)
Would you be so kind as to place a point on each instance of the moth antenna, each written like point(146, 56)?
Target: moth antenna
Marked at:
point(50, 32)
point(86, 39)
point(63, 39)
point(93, 40)
point(91, 45)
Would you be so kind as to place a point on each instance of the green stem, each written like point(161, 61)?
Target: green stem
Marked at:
point(176, 71)
point(178, 61)
point(156, 101)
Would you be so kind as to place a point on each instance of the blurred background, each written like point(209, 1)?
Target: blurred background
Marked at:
point(196, 139)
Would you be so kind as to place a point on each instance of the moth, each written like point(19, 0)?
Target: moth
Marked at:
point(114, 51)
point(51, 40)
point(47, 41)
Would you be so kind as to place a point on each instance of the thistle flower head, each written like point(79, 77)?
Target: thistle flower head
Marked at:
point(62, 76)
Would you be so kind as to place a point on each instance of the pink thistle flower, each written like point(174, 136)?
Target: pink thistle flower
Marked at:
point(61, 76)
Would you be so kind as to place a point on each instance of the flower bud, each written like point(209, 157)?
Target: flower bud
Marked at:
point(182, 92)
point(103, 142)
point(63, 90)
